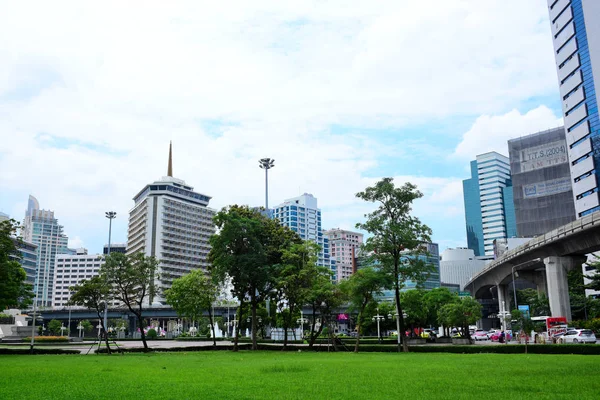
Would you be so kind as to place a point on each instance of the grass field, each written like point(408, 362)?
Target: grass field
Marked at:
point(274, 375)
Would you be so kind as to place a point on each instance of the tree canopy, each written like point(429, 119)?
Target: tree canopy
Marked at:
point(248, 250)
point(397, 239)
point(93, 294)
point(131, 279)
point(14, 290)
point(191, 295)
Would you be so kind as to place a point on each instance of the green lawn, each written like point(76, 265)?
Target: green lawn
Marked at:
point(275, 375)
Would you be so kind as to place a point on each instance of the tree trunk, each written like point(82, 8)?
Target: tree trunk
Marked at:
point(313, 336)
point(358, 331)
point(253, 322)
point(104, 332)
point(141, 323)
point(236, 333)
point(285, 332)
point(212, 326)
point(401, 334)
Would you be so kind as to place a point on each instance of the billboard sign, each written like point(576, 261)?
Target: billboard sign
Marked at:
point(547, 188)
point(543, 156)
point(525, 310)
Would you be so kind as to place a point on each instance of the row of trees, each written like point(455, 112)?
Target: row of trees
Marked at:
point(265, 263)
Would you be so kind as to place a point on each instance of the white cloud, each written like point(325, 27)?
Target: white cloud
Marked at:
point(90, 95)
point(492, 132)
point(75, 242)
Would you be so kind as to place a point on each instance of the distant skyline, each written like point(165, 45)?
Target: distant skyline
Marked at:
point(340, 94)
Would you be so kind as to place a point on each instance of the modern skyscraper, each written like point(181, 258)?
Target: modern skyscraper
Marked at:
point(302, 215)
point(541, 179)
point(576, 38)
point(172, 223)
point(432, 258)
point(344, 246)
point(42, 229)
point(489, 208)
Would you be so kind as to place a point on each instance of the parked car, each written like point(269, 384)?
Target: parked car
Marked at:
point(491, 333)
point(480, 334)
point(577, 336)
point(428, 334)
point(496, 336)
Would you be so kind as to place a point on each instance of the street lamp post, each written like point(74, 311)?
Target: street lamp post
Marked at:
point(378, 318)
point(266, 164)
point(301, 321)
point(110, 215)
point(513, 285)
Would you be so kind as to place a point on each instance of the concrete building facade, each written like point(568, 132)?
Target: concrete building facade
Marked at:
point(458, 265)
point(344, 246)
point(489, 208)
point(173, 223)
point(115, 248)
point(541, 180)
point(71, 270)
point(43, 230)
point(575, 26)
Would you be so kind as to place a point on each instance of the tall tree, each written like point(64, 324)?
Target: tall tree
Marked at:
point(93, 294)
point(435, 299)
point(191, 295)
point(462, 313)
point(295, 280)
point(415, 308)
point(361, 289)
point(323, 298)
point(594, 277)
point(131, 278)
point(397, 238)
point(14, 291)
point(248, 250)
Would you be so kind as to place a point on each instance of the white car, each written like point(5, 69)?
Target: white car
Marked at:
point(480, 334)
point(491, 332)
point(578, 336)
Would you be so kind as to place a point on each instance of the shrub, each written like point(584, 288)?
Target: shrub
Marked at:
point(7, 319)
point(152, 334)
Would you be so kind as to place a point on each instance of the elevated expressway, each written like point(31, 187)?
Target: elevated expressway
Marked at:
point(545, 261)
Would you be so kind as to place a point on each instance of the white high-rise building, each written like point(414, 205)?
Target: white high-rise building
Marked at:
point(42, 229)
point(302, 215)
point(172, 223)
point(344, 247)
point(575, 26)
point(489, 206)
point(71, 270)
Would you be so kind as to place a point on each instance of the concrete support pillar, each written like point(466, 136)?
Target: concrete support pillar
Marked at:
point(558, 287)
point(542, 284)
point(503, 303)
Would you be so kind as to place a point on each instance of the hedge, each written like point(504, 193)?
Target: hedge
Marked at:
point(4, 351)
point(177, 349)
point(196, 339)
point(48, 339)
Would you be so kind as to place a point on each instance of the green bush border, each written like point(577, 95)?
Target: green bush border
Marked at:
point(4, 351)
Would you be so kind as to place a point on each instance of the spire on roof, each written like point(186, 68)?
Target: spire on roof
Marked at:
point(170, 167)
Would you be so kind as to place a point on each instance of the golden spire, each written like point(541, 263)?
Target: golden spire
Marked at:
point(170, 167)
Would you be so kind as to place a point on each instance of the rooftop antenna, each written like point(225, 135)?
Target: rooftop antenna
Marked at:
point(170, 167)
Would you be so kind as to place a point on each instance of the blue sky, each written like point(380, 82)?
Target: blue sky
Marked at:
point(340, 93)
